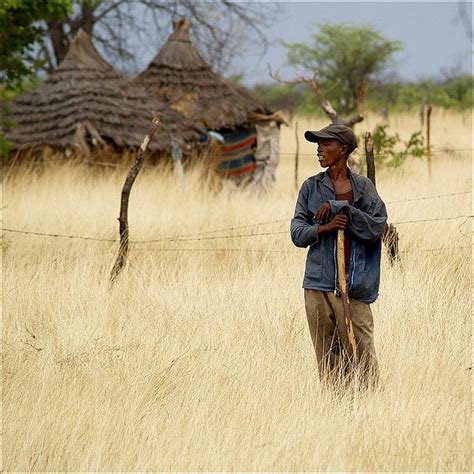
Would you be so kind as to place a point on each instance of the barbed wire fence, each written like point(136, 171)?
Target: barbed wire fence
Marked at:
point(207, 235)
point(41, 162)
point(195, 237)
point(246, 226)
point(197, 251)
point(234, 236)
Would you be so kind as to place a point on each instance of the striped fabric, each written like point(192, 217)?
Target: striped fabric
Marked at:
point(238, 157)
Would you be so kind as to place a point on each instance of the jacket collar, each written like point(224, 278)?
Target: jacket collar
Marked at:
point(325, 180)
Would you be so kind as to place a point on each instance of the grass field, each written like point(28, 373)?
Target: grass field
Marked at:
point(199, 358)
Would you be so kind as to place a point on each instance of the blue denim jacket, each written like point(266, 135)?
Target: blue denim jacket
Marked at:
point(366, 221)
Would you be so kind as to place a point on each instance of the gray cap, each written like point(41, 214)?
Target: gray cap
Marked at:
point(335, 130)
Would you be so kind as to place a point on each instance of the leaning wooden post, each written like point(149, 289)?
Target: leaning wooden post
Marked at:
point(428, 137)
point(390, 234)
point(296, 155)
point(127, 187)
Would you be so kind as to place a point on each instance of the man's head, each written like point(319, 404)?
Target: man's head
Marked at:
point(334, 131)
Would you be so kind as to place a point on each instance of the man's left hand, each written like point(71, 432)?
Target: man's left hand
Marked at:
point(323, 214)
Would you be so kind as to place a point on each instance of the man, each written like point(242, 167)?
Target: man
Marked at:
point(331, 200)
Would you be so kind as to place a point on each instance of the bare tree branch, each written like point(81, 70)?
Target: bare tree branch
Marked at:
point(324, 104)
point(222, 33)
point(466, 17)
point(112, 6)
point(252, 21)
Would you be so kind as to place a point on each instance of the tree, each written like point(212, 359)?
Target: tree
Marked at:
point(122, 29)
point(281, 96)
point(345, 58)
point(20, 31)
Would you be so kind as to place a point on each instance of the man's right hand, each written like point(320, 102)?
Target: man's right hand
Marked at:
point(337, 223)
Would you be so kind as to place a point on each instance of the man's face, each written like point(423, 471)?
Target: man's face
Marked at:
point(330, 151)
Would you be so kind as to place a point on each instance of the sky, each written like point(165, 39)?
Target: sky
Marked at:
point(433, 35)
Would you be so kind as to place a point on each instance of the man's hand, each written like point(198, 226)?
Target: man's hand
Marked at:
point(338, 222)
point(323, 214)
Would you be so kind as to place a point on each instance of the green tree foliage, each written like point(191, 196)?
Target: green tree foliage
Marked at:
point(21, 30)
point(282, 96)
point(346, 58)
point(454, 93)
point(451, 93)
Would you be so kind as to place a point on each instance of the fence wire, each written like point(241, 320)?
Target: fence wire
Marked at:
point(60, 236)
point(235, 236)
point(126, 166)
point(156, 251)
point(197, 236)
point(228, 229)
point(216, 250)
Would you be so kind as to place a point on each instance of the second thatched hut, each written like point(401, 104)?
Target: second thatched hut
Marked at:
point(248, 129)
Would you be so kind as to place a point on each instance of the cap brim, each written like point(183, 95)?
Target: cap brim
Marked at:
point(314, 137)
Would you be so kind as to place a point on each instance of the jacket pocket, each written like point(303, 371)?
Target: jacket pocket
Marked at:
point(366, 275)
point(314, 264)
point(365, 284)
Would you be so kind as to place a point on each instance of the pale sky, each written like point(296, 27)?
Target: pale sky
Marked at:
point(433, 35)
point(432, 32)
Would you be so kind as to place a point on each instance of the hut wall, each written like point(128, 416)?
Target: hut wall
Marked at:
point(267, 153)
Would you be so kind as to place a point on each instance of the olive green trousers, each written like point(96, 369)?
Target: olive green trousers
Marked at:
point(327, 327)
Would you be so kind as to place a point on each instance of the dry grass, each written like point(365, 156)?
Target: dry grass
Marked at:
point(199, 358)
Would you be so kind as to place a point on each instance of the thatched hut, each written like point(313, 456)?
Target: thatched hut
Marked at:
point(249, 129)
point(85, 104)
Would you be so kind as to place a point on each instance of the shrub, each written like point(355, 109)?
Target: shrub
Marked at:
point(390, 150)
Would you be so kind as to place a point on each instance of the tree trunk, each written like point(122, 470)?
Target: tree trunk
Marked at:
point(59, 39)
point(87, 20)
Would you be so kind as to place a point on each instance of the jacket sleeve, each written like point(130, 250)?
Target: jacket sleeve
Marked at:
point(368, 222)
point(302, 232)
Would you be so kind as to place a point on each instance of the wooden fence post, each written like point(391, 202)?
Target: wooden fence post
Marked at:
point(390, 234)
point(428, 137)
point(297, 155)
point(423, 113)
point(127, 187)
point(369, 157)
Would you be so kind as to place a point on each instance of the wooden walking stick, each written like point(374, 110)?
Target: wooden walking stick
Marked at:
point(127, 187)
point(341, 273)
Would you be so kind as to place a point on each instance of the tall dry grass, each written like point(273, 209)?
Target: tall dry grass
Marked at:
point(199, 358)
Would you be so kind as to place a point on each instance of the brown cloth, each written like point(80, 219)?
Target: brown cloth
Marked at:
point(349, 196)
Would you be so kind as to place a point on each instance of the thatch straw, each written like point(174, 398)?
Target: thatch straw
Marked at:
point(86, 102)
point(180, 75)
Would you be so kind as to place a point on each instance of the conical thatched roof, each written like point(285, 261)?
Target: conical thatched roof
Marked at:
point(86, 101)
point(180, 75)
